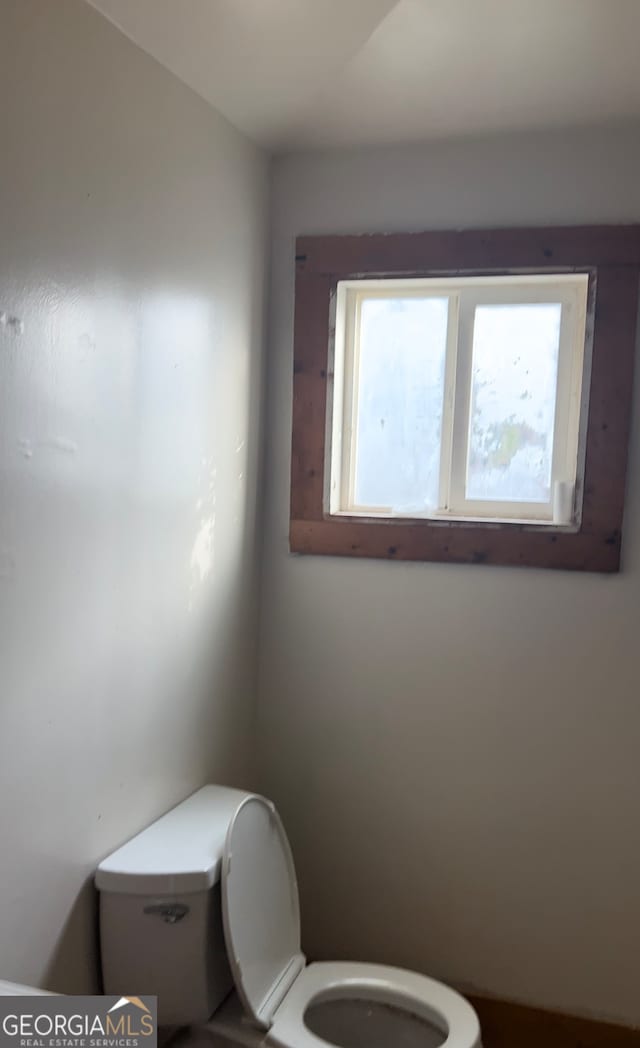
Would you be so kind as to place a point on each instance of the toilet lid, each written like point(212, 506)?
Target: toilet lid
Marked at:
point(260, 909)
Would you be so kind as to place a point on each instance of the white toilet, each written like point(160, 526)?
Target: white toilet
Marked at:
point(206, 900)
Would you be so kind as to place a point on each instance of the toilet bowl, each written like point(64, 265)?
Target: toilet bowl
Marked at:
point(397, 1007)
point(210, 891)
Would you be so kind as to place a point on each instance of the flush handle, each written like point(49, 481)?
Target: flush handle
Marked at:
point(171, 913)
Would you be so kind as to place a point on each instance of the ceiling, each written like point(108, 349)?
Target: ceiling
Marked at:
point(308, 73)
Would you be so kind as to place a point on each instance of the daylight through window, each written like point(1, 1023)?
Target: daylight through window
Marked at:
point(458, 398)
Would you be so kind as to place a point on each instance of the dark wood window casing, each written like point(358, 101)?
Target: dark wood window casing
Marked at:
point(611, 256)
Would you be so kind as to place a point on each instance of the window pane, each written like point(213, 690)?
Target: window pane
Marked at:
point(400, 396)
point(513, 400)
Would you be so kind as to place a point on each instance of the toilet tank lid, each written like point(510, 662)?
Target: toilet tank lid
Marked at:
point(180, 852)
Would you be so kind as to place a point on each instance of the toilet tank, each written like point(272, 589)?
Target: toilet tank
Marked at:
point(160, 914)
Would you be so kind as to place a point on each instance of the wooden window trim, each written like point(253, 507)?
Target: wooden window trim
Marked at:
point(610, 253)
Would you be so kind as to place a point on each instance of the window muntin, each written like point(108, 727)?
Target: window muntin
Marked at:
point(457, 398)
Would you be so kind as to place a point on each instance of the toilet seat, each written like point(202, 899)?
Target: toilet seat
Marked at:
point(260, 909)
point(261, 919)
point(406, 990)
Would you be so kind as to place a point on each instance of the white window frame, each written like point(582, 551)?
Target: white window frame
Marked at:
point(465, 294)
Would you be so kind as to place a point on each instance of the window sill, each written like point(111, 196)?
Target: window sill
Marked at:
point(513, 544)
point(446, 519)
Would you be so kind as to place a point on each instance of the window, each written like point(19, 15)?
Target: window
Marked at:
point(464, 396)
point(454, 399)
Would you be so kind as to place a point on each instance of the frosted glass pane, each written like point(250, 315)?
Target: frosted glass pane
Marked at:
point(400, 396)
point(513, 401)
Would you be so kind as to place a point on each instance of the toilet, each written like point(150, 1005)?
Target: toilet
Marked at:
point(201, 909)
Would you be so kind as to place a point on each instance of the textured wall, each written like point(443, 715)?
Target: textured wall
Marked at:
point(455, 748)
point(132, 245)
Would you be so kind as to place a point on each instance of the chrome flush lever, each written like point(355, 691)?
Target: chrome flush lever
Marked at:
point(171, 913)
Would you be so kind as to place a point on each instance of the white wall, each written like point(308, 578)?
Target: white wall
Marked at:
point(132, 241)
point(454, 749)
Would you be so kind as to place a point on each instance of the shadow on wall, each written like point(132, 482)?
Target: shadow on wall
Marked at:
point(73, 966)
